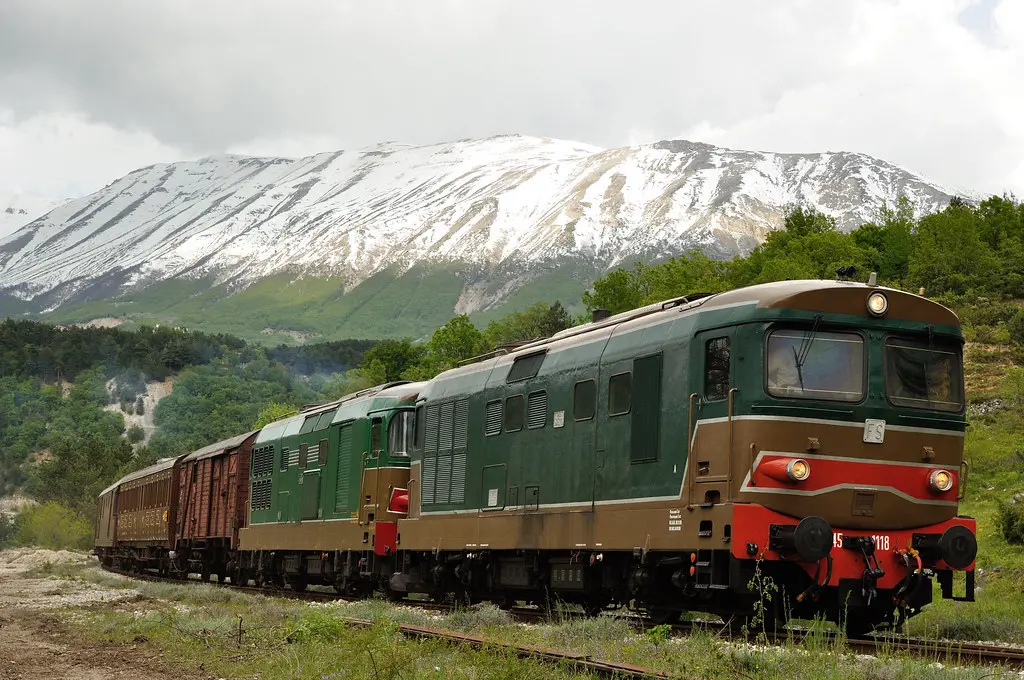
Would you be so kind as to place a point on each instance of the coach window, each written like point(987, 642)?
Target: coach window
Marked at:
point(514, 413)
point(716, 369)
point(376, 436)
point(620, 394)
point(400, 433)
point(815, 365)
point(584, 400)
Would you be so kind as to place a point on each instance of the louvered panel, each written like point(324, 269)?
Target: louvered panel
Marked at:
point(492, 418)
point(458, 491)
point(460, 433)
point(536, 409)
point(293, 456)
point(344, 469)
point(429, 476)
point(444, 435)
point(444, 478)
point(431, 432)
point(261, 495)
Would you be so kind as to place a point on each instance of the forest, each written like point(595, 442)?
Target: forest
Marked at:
point(65, 391)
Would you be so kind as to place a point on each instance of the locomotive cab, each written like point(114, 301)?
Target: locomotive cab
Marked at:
point(842, 415)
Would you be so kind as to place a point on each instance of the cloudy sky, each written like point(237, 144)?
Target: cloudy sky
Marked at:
point(92, 90)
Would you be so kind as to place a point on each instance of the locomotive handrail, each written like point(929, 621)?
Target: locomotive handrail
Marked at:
point(729, 453)
point(964, 470)
point(690, 460)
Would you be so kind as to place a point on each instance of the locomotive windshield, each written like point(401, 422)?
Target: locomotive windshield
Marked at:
point(821, 365)
point(919, 376)
point(400, 433)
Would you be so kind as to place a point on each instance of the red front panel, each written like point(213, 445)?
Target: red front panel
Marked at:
point(751, 525)
point(833, 472)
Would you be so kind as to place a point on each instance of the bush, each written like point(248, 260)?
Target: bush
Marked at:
point(1010, 518)
point(1015, 326)
point(7, 530)
point(140, 406)
point(53, 526)
point(135, 434)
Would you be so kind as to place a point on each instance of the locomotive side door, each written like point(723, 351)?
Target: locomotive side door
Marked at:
point(709, 426)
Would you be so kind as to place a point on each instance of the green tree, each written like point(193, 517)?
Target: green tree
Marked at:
point(453, 342)
point(540, 320)
point(273, 411)
point(949, 255)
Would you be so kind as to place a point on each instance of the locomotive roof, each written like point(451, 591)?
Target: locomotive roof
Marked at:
point(214, 449)
point(813, 295)
point(805, 294)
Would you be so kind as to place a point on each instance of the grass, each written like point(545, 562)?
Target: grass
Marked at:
point(236, 635)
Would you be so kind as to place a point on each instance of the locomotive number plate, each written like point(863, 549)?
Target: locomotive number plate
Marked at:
point(874, 431)
point(882, 541)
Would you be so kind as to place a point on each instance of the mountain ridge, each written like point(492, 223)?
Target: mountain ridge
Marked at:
point(501, 210)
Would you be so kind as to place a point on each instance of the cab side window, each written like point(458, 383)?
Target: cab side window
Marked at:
point(716, 369)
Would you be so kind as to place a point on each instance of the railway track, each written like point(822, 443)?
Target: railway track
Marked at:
point(946, 651)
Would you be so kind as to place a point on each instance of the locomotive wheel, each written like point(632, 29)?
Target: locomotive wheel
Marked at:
point(664, 615)
point(298, 583)
point(858, 625)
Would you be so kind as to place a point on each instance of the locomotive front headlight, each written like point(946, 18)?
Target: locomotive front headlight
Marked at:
point(940, 481)
point(798, 470)
point(877, 304)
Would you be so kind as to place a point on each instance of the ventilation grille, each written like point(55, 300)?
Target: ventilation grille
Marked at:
point(537, 410)
point(492, 425)
point(344, 468)
point(444, 478)
point(458, 478)
point(261, 494)
point(431, 439)
point(263, 461)
point(427, 485)
point(461, 433)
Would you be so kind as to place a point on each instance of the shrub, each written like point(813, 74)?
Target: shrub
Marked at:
point(135, 434)
point(51, 525)
point(1015, 325)
point(7, 530)
point(140, 406)
point(1010, 518)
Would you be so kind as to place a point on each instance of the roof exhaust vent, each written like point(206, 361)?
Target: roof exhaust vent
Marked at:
point(873, 279)
point(600, 315)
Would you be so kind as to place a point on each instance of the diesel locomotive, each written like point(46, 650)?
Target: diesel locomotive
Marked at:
point(807, 434)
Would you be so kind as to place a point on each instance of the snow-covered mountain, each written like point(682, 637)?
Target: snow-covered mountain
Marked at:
point(17, 210)
point(508, 202)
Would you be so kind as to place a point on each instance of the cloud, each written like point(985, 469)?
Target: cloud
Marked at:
point(57, 155)
point(934, 90)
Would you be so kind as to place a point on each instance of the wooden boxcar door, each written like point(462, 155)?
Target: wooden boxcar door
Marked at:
point(709, 460)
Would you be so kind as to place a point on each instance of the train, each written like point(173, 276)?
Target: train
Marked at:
point(805, 435)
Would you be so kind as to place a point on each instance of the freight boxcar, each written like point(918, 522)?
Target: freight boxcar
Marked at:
point(213, 505)
point(327, 487)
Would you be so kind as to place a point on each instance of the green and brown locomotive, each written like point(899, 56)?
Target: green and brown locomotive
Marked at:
point(669, 458)
point(812, 430)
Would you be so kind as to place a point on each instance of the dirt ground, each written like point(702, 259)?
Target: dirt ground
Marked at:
point(36, 644)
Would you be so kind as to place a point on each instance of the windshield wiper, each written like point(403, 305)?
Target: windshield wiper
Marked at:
point(799, 368)
point(805, 347)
